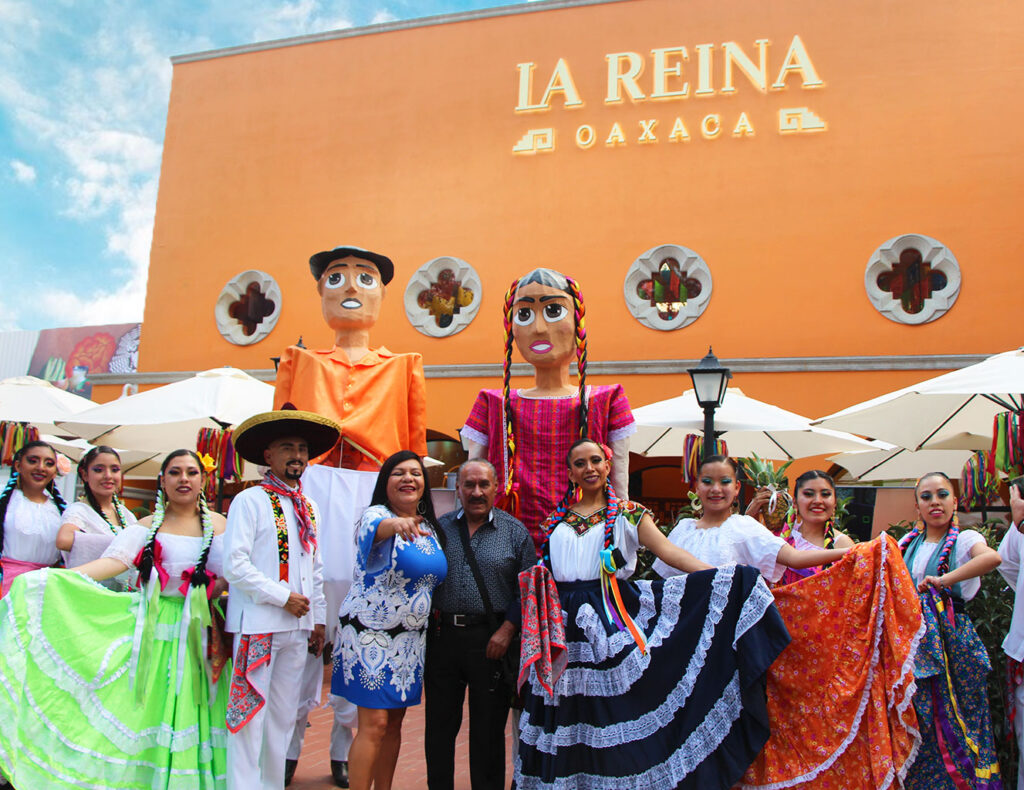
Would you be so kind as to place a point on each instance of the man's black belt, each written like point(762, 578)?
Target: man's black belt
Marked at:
point(465, 620)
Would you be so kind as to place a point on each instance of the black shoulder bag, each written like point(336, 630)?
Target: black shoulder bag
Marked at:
point(506, 674)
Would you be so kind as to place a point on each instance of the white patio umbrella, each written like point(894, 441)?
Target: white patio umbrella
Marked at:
point(135, 464)
point(169, 417)
point(896, 463)
point(28, 399)
point(748, 426)
point(951, 411)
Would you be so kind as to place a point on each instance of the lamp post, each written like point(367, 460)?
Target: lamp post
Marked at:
point(710, 380)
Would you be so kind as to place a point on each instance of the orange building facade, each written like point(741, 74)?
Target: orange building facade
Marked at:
point(772, 151)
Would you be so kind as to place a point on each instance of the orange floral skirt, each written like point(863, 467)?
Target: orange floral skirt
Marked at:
point(840, 696)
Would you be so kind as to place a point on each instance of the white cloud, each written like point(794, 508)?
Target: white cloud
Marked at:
point(86, 88)
point(297, 18)
point(23, 173)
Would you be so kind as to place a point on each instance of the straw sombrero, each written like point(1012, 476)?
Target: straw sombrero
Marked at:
point(253, 436)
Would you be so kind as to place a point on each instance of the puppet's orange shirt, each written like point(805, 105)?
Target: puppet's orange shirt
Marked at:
point(379, 401)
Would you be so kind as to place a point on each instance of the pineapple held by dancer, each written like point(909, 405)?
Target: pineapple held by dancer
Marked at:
point(772, 495)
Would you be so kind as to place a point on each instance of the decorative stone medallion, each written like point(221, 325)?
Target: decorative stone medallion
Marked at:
point(667, 287)
point(912, 279)
point(248, 307)
point(443, 296)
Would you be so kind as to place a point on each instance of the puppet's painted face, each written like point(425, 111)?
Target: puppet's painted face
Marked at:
point(543, 325)
point(350, 293)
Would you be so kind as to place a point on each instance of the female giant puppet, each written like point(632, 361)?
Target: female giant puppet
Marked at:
point(527, 433)
point(378, 397)
point(620, 705)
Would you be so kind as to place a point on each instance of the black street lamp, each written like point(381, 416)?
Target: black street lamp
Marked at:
point(710, 380)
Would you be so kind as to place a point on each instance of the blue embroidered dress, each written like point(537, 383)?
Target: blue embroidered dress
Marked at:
point(378, 662)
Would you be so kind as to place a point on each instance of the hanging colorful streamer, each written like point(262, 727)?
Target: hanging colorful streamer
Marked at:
point(218, 445)
point(693, 452)
point(978, 483)
point(15, 435)
point(1007, 443)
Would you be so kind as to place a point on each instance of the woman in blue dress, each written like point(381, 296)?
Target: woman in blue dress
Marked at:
point(378, 663)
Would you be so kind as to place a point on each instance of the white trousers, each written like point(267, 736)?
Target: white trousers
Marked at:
point(345, 713)
point(256, 753)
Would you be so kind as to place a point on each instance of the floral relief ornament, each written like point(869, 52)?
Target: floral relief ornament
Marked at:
point(443, 296)
point(667, 287)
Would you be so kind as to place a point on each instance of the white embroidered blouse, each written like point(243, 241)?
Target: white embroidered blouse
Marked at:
point(30, 530)
point(740, 539)
point(180, 553)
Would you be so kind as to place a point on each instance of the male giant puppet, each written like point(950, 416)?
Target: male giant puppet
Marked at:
point(378, 398)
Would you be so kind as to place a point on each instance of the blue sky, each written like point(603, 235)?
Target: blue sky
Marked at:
point(83, 104)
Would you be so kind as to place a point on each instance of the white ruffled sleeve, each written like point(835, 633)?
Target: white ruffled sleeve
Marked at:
point(127, 545)
point(76, 514)
point(754, 544)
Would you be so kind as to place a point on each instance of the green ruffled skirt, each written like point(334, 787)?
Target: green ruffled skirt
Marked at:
point(70, 715)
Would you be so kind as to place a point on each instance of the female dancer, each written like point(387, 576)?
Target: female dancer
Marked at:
point(951, 667)
point(30, 513)
point(526, 433)
point(854, 630)
point(664, 681)
point(104, 689)
point(810, 525)
point(89, 527)
point(378, 663)
point(720, 536)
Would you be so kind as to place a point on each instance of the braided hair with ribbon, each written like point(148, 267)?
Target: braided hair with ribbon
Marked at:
point(90, 496)
point(558, 281)
point(829, 534)
point(145, 562)
point(919, 528)
point(15, 482)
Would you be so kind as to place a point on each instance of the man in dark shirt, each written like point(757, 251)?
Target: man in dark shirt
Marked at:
point(463, 648)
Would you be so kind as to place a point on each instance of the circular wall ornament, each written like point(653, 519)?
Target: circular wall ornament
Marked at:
point(248, 307)
point(667, 287)
point(443, 296)
point(912, 279)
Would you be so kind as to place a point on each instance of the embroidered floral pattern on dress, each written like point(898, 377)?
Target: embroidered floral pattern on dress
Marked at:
point(856, 627)
point(381, 642)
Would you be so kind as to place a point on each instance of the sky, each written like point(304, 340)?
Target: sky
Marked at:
point(83, 105)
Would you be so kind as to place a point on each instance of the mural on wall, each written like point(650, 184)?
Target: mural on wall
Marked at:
point(667, 287)
point(442, 296)
point(67, 357)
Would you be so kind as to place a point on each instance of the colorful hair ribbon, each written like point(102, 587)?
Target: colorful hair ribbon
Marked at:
point(614, 608)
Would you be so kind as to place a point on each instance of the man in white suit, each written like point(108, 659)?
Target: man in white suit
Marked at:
point(276, 606)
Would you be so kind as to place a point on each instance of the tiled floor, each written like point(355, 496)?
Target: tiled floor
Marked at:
point(314, 771)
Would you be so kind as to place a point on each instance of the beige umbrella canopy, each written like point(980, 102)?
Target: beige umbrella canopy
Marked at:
point(953, 411)
point(896, 463)
point(749, 426)
point(169, 417)
point(135, 464)
point(32, 400)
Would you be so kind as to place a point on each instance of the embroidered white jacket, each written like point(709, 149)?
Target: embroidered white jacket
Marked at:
point(256, 597)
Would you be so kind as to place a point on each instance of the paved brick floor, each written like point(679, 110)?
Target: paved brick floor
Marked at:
point(314, 771)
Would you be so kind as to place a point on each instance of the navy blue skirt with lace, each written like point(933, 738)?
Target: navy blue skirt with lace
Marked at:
point(688, 713)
